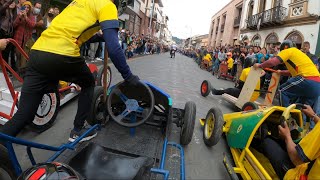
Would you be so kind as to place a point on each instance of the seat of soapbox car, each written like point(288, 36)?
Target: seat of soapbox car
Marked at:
point(245, 130)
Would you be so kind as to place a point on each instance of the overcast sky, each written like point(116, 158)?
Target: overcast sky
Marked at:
point(191, 16)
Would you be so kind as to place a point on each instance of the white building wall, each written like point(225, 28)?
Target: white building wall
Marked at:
point(314, 7)
point(269, 4)
point(309, 32)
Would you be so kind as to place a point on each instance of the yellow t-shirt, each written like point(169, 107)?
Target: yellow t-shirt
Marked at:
point(298, 63)
point(207, 57)
point(77, 23)
point(308, 150)
point(243, 77)
point(230, 63)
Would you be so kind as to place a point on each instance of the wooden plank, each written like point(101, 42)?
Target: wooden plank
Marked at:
point(249, 86)
point(273, 86)
point(229, 98)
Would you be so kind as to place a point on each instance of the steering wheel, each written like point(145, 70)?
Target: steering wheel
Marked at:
point(286, 117)
point(130, 106)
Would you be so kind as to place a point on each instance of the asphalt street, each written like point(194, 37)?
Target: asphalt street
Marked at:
point(181, 78)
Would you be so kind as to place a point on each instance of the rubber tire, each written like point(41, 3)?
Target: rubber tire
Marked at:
point(188, 123)
point(100, 76)
point(251, 105)
point(218, 126)
point(92, 118)
point(6, 164)
point(205, 94)
point(42, 128)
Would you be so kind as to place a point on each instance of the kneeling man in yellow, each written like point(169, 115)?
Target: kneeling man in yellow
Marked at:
point(235, 92)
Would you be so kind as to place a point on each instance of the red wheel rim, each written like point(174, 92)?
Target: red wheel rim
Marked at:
point(248, 108)
point(204, 88)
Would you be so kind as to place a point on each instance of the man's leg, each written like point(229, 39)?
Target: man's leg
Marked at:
point(235, 92)
point(84, 78)
point(298, 87)
point(277, 156)
point(31, 96)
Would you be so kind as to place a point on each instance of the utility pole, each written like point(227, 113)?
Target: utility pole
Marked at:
point(151, 16)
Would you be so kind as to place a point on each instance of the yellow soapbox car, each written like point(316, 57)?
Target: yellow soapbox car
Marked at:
point(241, 128)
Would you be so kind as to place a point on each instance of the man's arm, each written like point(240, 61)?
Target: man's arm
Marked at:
point(5, 5)
point(270, 63)
point(291, 148)
point(110, 35)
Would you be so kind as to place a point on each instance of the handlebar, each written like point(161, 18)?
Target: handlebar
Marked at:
point(270, 70)
point(286, 113)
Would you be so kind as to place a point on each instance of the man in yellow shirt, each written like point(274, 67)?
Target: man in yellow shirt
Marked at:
point(229, 61)
point(235, 92)
point(305, 81)
point(56, 56)
point(295, 161)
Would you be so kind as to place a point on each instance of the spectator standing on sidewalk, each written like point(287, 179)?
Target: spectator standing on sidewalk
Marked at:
point(7, 16)
point(24, 24)
point(39, 21)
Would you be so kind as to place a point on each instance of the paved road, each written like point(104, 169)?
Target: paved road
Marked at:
point(179, 77)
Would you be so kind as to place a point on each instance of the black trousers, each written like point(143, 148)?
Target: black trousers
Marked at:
point(44, 70)
point(275, 151)
point(235, 92)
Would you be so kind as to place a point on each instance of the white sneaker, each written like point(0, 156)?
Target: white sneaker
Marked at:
point(98, 59)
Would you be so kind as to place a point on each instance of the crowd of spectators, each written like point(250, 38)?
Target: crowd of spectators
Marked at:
point(24, 22)
point(131, 44)
point(239, 52)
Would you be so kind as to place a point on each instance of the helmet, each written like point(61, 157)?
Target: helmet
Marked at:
point(121, 6)
point(50, 171)
point(248, 62)
point(287, 43)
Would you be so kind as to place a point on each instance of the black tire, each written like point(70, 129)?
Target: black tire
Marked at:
point(188, 123)
point(249, 106)
point(6, 169)
point(213, 137)
point(97, 113)
point(100, 77)
point(47, 112)
point(205, 88)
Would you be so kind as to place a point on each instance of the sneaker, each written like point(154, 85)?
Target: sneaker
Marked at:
point(214, 91)
point(74, 135)
point(98, 59)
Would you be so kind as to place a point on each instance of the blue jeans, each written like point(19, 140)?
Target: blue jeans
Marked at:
point(299, 88)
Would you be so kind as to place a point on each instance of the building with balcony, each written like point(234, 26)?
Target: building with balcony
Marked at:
point(224, 28)
point(266, 22)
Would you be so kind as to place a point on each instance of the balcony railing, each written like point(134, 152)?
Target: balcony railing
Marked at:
point(270, 17)
point(222, 28)
point(236, 22)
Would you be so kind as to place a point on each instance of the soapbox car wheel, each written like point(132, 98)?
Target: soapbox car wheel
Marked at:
point(129, 105)
point(249, 106)
point(6, 168)
point(205, 88)
point(213, 127)
point(97, 113)
point(100, 77)
point(188, 123)
point(47, 112)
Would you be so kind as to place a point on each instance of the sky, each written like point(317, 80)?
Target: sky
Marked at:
point(191, 17)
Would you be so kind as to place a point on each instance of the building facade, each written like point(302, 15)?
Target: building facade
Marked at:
point(224, 28)
point(266, 22)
